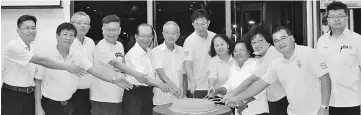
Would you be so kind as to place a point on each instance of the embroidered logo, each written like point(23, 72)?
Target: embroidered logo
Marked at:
point(323, 65)
point(186, 53)
point(345, 47)
point(299, 63)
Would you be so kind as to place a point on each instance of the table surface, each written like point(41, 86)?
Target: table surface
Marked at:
point(164, 110)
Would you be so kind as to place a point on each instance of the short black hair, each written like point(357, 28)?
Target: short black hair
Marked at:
point(212, 51)
point(110, 18)
point(66, 26)
point(337, 6)
point(279, 28)
point(24, 18)
point(249, 47)
point(144, 24)
point(258, 29)
point(200, 13)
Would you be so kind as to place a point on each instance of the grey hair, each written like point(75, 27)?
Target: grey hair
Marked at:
point(79, 13)
point(171, 23)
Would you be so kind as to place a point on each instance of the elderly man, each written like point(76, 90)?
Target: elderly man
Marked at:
point(85, 45)
point(168, 63)
point(196, 55)
point(302, 73)
point(18, 70)
point(139, 100)
point(342, 47)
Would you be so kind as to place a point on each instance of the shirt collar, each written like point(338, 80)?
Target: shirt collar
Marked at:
point(22, 43)
point(138, 48)
point(208, 35)
point(79, 42)
point(56, 52)
point(164, 47)
point(294, 55)
point(220, 60)
point(345, 32)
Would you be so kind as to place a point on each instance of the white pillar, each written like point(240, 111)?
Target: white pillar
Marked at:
point(228, 19)
point(150, 12)
point(309, 23)
point(315, 23)
point(351, 20)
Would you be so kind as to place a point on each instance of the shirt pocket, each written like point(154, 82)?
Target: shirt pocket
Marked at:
point(348, 57)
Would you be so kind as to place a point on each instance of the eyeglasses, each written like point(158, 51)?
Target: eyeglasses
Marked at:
point(241, 51)
point(111, 29)
point(29, 28)
point(81, 23)
point(337, 17)
point(200, 24)
point(143, 36)
point(170, 33)
point(283, 38)
point(260, 42)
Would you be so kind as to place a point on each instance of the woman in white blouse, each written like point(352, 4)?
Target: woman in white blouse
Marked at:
point(238, 73)
point(218, 69)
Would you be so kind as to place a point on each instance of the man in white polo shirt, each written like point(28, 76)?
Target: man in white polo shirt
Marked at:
point(261, 42)
point(342, 48)
point(58, 86)
point(106, 98)
point(196, 48)
point(139, 100)
point(85, 45)
point(17, 97)
point(168, 63)
point(302, 73)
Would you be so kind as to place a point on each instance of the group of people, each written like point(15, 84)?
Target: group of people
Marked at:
point(264, 73)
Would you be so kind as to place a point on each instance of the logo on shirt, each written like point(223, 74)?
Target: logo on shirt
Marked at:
point(119, 56)
point(323, 65)
point(299, 64)
point(345, 47)
point(186, 53)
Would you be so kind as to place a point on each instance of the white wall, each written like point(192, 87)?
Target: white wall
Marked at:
point(48, 21)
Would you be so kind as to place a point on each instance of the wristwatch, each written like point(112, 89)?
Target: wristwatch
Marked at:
point(325, 107)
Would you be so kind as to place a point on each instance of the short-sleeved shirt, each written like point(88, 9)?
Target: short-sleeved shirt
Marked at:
point(87, 50)
point(274, 91)
point(172, 64)
point(196, 50)
point(17, 70)
point(60, 85)
point(139, 60)
point(219, 69)
point(344, 60)
point(100, 90)
point(236, 76)
point(299, 77)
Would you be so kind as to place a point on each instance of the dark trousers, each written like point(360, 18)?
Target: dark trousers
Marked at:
point(345, 110)
point(279, 107)
point(197, 94)
point(138, 101)
point(17, 103)
point(53, 107)
point(105, 108)
point(81, 102)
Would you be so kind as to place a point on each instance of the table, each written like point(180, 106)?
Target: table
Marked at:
point(163, 110)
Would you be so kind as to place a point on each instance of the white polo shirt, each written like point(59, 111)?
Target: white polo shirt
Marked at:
point(172, 64)
point(196, 50)
point(102, 91)
point(299, 77)
point(274, 91)
point(16, 69)
point(344, 60)
point(60, 85)
point(236, 76)
point(139, 60)
point(219, 69)
point(87, 49)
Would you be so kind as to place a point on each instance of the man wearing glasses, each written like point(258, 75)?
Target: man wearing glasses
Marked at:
point(85, 45)
point(196, 48)
point(17, 91)
point(139, 100)
point(342, 48)
point(302, 73)
point(106, 98)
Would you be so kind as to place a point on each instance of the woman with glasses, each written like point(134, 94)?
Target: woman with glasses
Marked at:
point(246, 63)
point(218, 69)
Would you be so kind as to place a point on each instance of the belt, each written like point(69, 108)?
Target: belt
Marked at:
point(19, 89)
point(54, 101)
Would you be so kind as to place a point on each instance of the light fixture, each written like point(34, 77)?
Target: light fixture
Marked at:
point(251, 22)
point(234, 26)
